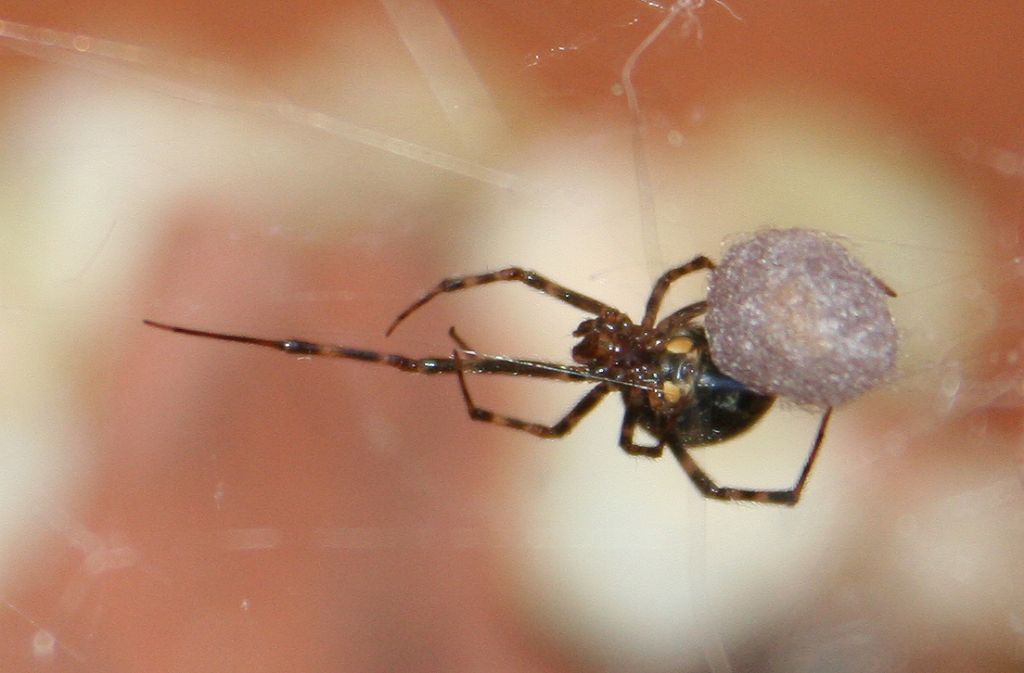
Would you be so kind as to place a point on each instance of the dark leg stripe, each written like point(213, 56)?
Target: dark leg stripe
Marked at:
point(531, 278)
point(666, 279)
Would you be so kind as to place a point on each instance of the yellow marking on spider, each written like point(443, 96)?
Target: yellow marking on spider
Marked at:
point(679, 345)
point(671, 391)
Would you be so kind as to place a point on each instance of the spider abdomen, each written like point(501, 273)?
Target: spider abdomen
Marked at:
point(722, 409)
point(712, 407)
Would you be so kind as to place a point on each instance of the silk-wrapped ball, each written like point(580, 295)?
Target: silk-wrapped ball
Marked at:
point(791, 313)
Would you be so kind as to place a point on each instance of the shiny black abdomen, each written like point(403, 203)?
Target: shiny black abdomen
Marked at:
point(716, 408)
point(722, 408)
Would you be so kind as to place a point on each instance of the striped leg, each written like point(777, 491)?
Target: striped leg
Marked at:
point(667, 278)
point(467, 362)
point(784, 497)
point(559, 429)
point(683, 316)
point(627, 432)
point(295, 347)
point(531, 278)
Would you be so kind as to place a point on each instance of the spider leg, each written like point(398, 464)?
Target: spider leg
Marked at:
point(885, 287)
point(431, 365)
point(531, 278)
point(710, 489)
point(559, 429)
point(458, 339)
point(626, 443)
point(683, 316)
point(663, 283)
point(474, 363)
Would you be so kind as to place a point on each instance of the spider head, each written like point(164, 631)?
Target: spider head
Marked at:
point(605, 340)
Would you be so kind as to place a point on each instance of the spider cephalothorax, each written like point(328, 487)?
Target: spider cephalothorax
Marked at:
point(612, 345)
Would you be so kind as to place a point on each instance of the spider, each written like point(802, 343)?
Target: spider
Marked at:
point(663, 369)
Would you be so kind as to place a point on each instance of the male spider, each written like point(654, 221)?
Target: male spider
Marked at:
point(664, 371)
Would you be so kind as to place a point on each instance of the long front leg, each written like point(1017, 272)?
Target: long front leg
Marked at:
point(469, 362)
point(431, 365)
point(515, 273)
point(711, 489)
point(663, 283)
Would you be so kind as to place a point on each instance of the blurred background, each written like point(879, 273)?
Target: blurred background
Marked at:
point(179, 504)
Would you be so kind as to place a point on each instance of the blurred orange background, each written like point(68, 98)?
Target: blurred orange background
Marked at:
point(308, 170)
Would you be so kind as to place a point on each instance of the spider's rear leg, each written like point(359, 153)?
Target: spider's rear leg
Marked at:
point(559, 429)
point(628, 431)
point(515, 273)
point(710, 489)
